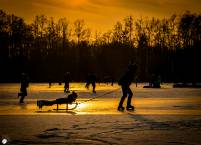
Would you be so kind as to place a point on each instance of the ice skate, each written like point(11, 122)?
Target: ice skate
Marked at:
point(21, 103)
point(67, 91)
point(120, 108)
point(130, 108)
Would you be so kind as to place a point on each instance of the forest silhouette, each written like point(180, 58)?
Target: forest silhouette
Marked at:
point(46, 48)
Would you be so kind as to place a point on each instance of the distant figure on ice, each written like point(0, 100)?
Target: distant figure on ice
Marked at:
point(155, 82)
point(107, 79)
point(67, 80)
point(125, 82)
point(50, 81)
point(112, 81)
point(91, 79)
point(59, 83)
point(50, 84)
point(24, 86)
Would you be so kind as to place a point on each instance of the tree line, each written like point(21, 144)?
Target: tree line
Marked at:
point(46, 49)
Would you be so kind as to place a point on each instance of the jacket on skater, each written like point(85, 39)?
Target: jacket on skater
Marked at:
point(125, 82)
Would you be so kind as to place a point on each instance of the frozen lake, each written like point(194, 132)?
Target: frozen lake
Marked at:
point(147, 101)
point(163, 116)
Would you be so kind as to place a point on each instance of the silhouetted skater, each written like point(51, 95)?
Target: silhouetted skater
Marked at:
point(108, 79)
point(91, 79)
point(125, 81)
point(112, 81)
point(50, 84)
point(23, 89)
point(154, 82)
point(67, 80)
point(50, 81)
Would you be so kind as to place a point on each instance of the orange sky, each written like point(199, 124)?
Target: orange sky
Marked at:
point(99, 15)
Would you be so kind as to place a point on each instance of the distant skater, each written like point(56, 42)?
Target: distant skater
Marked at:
point(50, 81)
point(107, 79)
point(67, 80)
point(24, 86)
point(91, 79)
point(125, 82)
point(112, 80)
point(50, 84)
point(155, 82)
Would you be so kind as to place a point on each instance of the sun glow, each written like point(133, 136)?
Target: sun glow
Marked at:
point(82, 106)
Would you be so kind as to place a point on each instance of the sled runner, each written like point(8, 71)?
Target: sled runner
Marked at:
point(70, 99)
point(67, 108)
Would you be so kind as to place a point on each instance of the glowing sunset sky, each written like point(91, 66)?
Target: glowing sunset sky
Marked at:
point(98, 14)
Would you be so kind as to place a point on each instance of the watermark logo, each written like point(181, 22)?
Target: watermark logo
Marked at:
point(4, 141)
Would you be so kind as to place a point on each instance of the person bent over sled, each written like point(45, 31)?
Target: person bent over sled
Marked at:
point(68, 100)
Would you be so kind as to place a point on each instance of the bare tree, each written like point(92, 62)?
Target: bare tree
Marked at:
point(81, 32)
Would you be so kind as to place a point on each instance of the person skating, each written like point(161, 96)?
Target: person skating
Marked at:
point(91, 79)
point(23, 88)
point(125, 82)
point(66, 82)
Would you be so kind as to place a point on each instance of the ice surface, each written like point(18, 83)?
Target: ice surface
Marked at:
point(167, 100)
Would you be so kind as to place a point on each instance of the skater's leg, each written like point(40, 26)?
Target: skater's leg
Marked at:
point(23, 94)
point(19, 94)
point(22, 99)
point(67, 87)
point(130, 94)
point(122, 100)
point(94, 87)
point(87, 85)
point(124, 90)
point(129, 106)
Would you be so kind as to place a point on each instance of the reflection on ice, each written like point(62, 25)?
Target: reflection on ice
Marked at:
point(82, 106)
